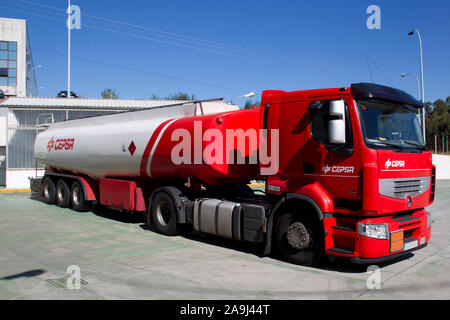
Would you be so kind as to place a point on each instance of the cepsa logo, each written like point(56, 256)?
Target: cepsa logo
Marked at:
point(60, 144)
point(338, 169)
point(394, 163)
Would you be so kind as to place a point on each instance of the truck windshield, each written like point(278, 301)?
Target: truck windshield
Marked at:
point(389, 125)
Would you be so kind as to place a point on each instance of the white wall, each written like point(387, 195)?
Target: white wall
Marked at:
point(442, 163)
point(2, 131)
point(19, 179)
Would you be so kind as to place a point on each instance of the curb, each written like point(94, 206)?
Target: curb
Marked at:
point(14, 190)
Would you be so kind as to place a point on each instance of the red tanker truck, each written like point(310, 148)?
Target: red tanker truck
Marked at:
point(346, 171)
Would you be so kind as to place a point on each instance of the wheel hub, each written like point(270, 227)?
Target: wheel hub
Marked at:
point(76, 195)
point(297, 236)
point(47, 190)
point(163, 213)
point(60, 193)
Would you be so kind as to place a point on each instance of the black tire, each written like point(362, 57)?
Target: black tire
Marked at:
point(48, 190)
point(164, 215)
point(62, 194)
point(299, 239)
point(77, 200)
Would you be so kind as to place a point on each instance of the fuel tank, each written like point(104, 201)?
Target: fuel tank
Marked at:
point(172, 143)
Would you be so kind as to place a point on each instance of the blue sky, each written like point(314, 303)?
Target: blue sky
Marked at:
point(228, 48)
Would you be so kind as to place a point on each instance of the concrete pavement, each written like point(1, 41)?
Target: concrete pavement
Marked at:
point(119, 259)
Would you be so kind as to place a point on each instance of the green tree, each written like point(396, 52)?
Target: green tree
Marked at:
point(181, 96)
point(249, 104)
point(437, 122)
point(109, 94)
point(154, 97)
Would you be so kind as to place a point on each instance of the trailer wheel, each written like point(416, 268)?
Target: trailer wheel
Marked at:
point(164, 215)
point(62, 194)
point(77, 200)
point(299, 239)
point(48, 190)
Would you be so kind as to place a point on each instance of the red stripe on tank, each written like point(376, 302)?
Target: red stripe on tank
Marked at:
point(148, 149)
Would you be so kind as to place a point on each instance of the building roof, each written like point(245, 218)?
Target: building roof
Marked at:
point(77, 103)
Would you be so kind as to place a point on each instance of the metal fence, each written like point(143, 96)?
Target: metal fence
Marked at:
point(25, 124)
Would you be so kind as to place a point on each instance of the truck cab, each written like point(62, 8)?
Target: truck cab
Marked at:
point(355, 161)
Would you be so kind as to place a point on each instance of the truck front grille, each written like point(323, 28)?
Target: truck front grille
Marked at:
point(400, 188)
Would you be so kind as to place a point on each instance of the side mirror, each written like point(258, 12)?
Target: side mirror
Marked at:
point(336, 126)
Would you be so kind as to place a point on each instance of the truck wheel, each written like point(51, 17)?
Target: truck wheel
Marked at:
point(299, 239)
point(77, 198)
point(48, 191)
point(62, 194)
point(164, 215)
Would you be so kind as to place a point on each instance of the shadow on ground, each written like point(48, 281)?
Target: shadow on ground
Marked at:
point(332, 264)
point(26, 274)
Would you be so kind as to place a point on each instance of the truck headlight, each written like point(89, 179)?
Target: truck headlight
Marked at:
point(377, 231)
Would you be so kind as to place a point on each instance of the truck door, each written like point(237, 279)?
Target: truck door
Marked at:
point(335, 166)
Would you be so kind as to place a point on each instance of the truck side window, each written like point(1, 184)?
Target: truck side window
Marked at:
point(319, 110)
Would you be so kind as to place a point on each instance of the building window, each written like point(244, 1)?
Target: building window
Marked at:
point(8, 63)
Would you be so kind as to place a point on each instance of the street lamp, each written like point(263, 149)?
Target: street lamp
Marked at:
point(248, 95)
point(421, 78)
point(418, 85)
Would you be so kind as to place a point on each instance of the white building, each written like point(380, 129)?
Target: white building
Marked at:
point(17, 77)
point(21, 118)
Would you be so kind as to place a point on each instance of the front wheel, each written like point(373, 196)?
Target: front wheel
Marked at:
point(299, 239)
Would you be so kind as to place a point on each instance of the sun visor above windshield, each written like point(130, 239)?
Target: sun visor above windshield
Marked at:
point(376, 91)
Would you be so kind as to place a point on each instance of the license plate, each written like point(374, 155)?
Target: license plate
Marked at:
point(410, 244)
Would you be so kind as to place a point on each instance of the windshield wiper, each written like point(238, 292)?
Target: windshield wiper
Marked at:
point(386, 143)
point(395, 145)
point(415, 144)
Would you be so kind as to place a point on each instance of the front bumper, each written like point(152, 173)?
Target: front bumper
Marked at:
point(406, 233)
point(386, 258)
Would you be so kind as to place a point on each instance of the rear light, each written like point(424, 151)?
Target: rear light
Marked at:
point(377, 231)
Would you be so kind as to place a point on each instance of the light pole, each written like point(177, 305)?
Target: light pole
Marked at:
point(418, 84)
point(68, 50)
point(248, 95)
point(421, 78)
